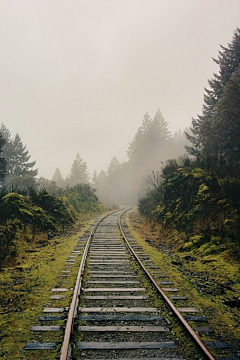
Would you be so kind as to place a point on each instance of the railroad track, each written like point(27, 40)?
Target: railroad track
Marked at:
point(123, 305)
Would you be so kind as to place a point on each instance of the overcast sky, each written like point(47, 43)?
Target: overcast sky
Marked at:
point(78, 75)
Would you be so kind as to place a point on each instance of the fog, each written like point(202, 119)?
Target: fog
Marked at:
point(77, 76)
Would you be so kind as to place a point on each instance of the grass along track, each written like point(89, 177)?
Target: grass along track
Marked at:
point(110, 301)
point(25, 289)
point(198, 279)
point(37, 296)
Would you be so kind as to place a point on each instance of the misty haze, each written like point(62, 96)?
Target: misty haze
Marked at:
point(77, 80)
point(119, 142)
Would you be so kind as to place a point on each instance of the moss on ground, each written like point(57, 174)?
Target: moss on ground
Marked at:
point(198, 273)
point(25, 288)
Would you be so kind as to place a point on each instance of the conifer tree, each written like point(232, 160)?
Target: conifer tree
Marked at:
point(101, 185)
point(58, 178)
point(226, 120)
point(113, 167)
point(203, 138)
point(20, 172)
point(50, 186)
point(157, 138)
point(94, 177)
point(3, 162)
point(137, 147)
point(151, 143)
point(20, 165)
point(79, 173)
point(113, 181)
point(146, 123)
point(8, 147)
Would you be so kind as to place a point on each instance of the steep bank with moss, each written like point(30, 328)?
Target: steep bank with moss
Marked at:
point(27, 215)
point(211, 282)
point(25, 289)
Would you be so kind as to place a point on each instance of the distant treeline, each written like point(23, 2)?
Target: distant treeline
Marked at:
point(124, 183)
point(199, 195)
point(18, 172)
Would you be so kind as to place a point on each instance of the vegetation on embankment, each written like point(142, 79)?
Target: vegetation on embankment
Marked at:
point(195, 210)
point(25, 289)
point(211, 282)
point(37, 233)
point(195, 200)
point(25, 215)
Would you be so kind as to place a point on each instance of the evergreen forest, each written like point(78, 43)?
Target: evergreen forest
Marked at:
point(124, 183)
point(187, 183)
point(196, 197)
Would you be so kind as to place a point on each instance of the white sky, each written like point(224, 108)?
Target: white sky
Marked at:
point(78, 75)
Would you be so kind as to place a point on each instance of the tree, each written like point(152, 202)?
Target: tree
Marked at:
point(100, 184)
point(113, 167)
point(58, 178)
point(79, 173)
point(49, 185)
point(226, 120)
point(114, 181)
point(136, 149)
point(20, 160)
point(20, 172)
point(203, 138)
point(179, 143)
point(94, 177)
point(3, 162)
point(161, 125)
point(151, 143)
point(158, 138)
point(8, 146)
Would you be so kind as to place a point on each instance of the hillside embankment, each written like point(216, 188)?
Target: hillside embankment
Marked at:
point(211, 279)
point(25, 285)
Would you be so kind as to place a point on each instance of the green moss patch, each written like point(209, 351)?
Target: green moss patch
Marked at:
point(207, 276)
point(25, 289)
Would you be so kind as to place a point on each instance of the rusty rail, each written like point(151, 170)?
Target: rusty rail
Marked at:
point(175, 311)
point(66, 347)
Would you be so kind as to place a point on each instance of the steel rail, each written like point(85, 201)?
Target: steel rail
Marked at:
point(66, 348)
point(175, 311)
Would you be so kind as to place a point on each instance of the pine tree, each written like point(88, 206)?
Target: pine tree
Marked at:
point(113, 167)
point(151, 143)
point(203, 138)
point(79, 173)
point(8, 146)
point(101, 187)
point(157, 139)
point(58, 178)
point(20, 165)
point(50, 186)
point(136, 147)
point(161, 125)
point(94, 177)
point(3, 162)
point(146, 123)
point(114, 184)
point(226, 120)
point(20, 171)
